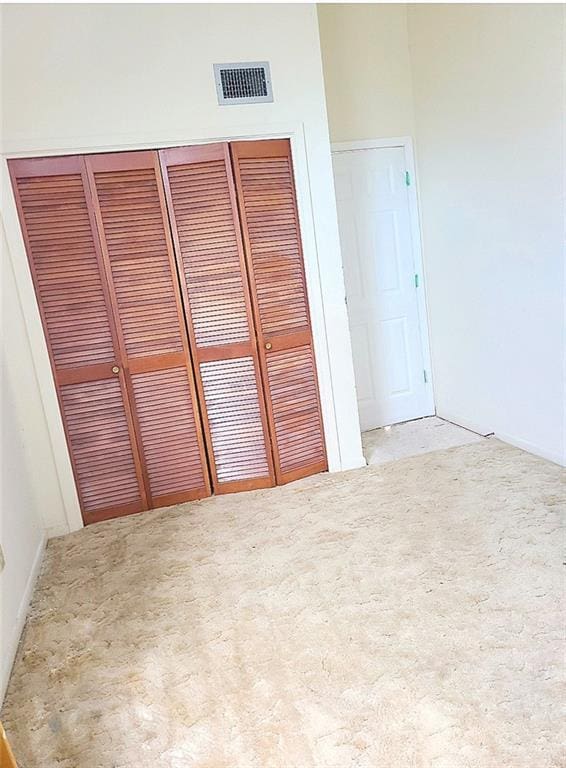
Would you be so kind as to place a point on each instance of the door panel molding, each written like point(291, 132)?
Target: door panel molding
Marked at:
point(406, 143)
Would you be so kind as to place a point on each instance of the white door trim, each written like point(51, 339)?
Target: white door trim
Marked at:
point(406, 143)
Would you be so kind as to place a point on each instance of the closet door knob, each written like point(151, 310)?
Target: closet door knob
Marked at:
point(115, 369)
point(268, 345)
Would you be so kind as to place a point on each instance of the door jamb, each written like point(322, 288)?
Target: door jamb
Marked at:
point(406, 143)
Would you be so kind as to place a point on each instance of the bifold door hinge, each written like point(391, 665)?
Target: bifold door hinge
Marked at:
point(425, 377)
point(407, 178)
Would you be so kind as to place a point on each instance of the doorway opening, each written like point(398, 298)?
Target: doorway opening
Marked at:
point(385, 288)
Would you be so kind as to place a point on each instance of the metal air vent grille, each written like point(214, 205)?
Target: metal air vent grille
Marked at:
point(244, 83)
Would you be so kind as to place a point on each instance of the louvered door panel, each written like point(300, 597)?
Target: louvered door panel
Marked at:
point(67, 274)
point(169, 434)
point(234, 416)
point(211, 258)
point(63, 251)
point(140, 268)
point(203, 213)
point(296, 414)
point(135, 239)
point(267, 202)
point(99, 433)
point(275, 246)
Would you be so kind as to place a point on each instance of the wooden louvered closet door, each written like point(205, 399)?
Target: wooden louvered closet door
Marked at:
point(60, 236)
point(203, 213)
point(138, 257)
point(268, 210)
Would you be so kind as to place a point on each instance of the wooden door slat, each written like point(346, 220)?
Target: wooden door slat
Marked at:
point(60, 234)
point(171, 451)
point(140, 266)
point(203, 213)
point(267, 202)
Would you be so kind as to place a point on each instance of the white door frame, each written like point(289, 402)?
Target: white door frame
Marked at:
point(406, 143)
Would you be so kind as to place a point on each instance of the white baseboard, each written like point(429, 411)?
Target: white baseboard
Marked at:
point(9, 653)
point(57, 530)
point(554, 456)
point(353, 461)
point(480, 429)
point(353, 464)
point(524, 445)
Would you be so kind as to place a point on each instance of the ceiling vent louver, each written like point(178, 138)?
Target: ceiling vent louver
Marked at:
point(244, 83)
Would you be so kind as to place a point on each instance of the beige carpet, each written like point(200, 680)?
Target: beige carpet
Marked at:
point(400, 616)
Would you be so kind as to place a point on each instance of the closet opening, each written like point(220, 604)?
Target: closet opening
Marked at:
point(172, 293)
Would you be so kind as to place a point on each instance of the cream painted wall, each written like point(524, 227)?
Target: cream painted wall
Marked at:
point(489, 105)
point(29, 491)
point(104, 77)
point(487, 95)
point(21, 391)
point(367, 70)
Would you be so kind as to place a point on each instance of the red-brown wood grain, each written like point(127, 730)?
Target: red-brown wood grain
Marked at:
point(206, 232)
point(172, 293)
point(59, 230)
point(272, 242)
point(137, 251)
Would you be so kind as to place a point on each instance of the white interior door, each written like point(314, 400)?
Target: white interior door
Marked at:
point(392, 380)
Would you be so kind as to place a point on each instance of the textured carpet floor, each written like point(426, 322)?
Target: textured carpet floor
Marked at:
point(400, 616)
